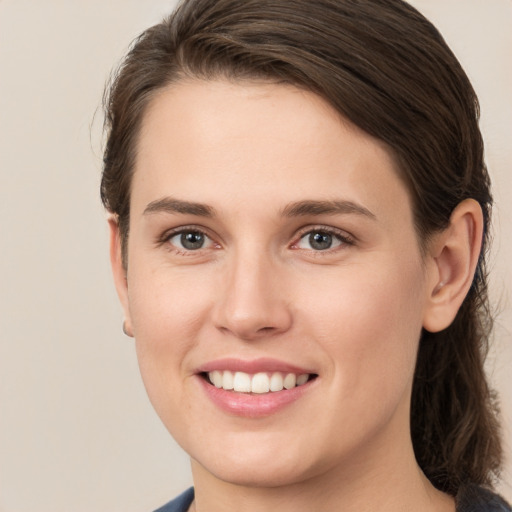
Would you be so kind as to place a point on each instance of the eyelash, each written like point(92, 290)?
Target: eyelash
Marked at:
point(168, 235)
point(341, 236)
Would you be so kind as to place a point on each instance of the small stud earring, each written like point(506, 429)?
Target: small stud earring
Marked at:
point(125, 330)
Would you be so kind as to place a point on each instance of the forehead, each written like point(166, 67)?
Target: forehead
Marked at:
point(217, 140)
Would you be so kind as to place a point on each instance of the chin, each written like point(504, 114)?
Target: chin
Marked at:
point(258, 461)
point(249, 474)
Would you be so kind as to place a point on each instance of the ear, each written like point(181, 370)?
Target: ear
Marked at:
point(119, 272)
point(453, 257)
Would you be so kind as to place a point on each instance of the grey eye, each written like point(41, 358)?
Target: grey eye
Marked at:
point(189, 240)
point(319, 241)
point(192, 240)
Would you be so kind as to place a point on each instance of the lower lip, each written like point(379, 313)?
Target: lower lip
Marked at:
point(253, 405)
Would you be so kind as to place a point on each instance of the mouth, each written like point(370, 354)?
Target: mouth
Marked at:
point(257, 383)
point(257, 388)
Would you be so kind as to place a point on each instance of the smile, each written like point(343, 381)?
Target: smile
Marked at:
point(258, 383)
point(257, 388)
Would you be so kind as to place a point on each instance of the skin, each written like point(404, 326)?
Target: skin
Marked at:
point(352, 314)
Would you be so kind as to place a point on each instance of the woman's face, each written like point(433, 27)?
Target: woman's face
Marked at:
point(269, 236)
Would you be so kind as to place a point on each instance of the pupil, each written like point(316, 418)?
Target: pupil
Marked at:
point(320, 241)
point(192, 240)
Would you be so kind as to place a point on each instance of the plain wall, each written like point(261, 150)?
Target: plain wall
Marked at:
point(76, 429)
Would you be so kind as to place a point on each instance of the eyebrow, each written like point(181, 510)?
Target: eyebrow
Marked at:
point(335, 207)
point(172, 205)
point(297, 209)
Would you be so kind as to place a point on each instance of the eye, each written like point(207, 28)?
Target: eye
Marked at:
point(190, 240)
point(322, 240)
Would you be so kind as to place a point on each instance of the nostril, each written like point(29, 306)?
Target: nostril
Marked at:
point(247, 332)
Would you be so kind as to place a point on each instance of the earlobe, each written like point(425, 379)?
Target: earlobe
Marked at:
point(453, 256)
point(119, 273)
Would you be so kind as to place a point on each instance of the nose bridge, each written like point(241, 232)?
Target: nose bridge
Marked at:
point(252, 302)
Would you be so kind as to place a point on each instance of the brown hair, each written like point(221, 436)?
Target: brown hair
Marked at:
point(383, 66)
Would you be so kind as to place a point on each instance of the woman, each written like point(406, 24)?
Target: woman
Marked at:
point(300, 211)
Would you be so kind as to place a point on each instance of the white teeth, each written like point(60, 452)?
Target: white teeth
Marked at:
point(276, 382)
point(216, 378)
point(227, 381)
point(290, 381)
point(302, 379)
point(258, 383)
point(242, 382)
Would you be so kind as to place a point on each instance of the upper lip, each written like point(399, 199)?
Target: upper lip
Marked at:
point(252, 367)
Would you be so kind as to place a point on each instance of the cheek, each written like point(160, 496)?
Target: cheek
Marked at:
point(369, 325)
point(167, 306)
point(167, 315)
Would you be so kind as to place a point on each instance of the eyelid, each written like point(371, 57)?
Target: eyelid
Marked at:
point(165, 237)
point(346, 238)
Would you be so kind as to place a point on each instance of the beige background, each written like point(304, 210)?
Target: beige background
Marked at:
point(76, 429)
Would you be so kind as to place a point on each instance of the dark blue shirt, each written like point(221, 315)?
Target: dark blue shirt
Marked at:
point(469, 499)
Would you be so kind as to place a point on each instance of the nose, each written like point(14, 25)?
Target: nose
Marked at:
point(252, 301)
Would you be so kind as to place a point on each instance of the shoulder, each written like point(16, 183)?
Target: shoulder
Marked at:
point(179, 504)
point(472, 498)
